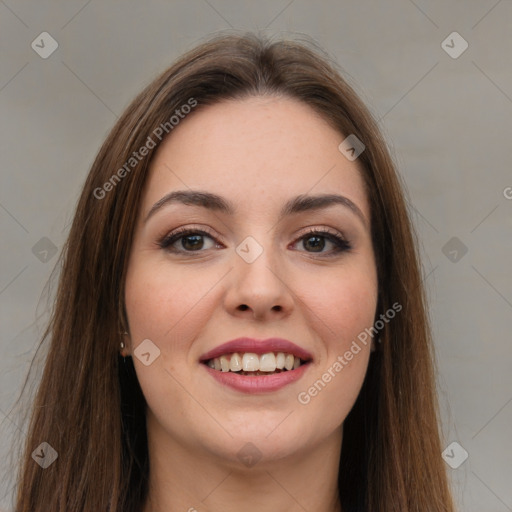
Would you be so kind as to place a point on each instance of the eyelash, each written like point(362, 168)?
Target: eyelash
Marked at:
point(342, 245)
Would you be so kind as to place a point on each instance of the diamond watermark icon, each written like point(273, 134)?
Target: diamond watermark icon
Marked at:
point(454, 455)
point(454, 45)
point(44, 45)
point(249, 455)
point(249, 249)
point(147, 352)
point(44, 250)
point(454, 249)
point(45, 455)
point(351, 147)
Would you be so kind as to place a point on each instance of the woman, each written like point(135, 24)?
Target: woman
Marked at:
point(240, 321)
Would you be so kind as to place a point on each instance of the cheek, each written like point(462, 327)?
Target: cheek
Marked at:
point(342, 309)
point(156, 304)
point(159, 298)
point(165, 307)
point(342, 304)
point(354, 302)
point(170, 307)
point(355, 305)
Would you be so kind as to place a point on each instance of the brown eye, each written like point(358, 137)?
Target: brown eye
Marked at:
point(186, 240)
point(315, 242)
point(192, 242)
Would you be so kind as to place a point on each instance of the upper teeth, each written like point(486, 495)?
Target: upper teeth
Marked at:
point(251, 362)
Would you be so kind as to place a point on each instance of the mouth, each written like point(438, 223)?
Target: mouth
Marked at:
point(252, 364)
point(257, 366)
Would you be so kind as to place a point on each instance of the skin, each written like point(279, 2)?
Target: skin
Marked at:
point(257, 153)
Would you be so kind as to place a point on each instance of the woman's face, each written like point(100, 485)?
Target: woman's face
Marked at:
point(252, 270)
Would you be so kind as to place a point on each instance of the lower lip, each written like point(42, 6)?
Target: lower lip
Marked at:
point(258, 383)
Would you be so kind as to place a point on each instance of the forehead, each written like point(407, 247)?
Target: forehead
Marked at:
point(255, 151)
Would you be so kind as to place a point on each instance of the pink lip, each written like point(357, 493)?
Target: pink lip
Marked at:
point(257, 347)
point(258, 383)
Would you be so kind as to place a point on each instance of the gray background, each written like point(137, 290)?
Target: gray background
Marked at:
point(447, 121)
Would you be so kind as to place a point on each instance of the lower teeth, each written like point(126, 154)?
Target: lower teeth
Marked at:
point(258, 372)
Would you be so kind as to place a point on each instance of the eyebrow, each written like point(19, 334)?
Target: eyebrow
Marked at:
point(215, 202)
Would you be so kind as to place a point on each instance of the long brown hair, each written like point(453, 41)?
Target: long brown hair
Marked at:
point(89, 406)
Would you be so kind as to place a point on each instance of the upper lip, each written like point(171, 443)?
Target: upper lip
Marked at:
point(257, 347)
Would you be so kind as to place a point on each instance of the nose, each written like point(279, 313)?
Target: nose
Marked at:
point(259, 290)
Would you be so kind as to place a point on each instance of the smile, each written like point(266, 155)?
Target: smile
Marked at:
point(253, 364)
point(250, 365)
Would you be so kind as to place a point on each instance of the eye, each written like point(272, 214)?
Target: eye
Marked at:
point(316, 240)
point(190, 240)
point(187, 240)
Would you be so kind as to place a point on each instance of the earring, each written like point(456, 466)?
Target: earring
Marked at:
point(122, 342)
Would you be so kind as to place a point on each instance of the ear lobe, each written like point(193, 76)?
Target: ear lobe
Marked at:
point(375, 344)
point(124, 344)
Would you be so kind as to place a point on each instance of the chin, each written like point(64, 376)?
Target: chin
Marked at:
point(268, 440)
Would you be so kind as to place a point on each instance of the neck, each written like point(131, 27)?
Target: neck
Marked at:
point(185, 479)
